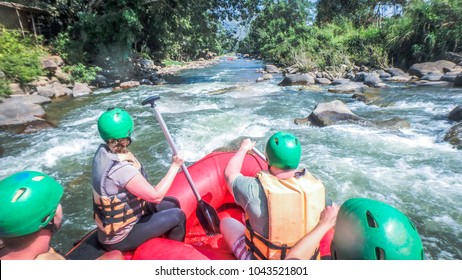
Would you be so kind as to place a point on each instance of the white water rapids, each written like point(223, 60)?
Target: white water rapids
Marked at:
point(411, 169)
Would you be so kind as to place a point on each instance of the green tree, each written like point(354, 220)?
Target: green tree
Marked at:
point(360, 12)
point(175, 29)
point(278, 30)
point(427, 30)
point(19, 57)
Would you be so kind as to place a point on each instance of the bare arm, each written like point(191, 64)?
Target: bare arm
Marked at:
point(306, 246)
point(140, 187)
point(233, 169)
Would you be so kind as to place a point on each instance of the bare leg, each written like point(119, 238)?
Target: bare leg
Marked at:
point(232, 230)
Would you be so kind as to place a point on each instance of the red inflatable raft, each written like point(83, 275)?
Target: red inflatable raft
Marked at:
point(208, 177)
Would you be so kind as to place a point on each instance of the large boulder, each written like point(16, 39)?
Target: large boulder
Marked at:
point(323, 81)
point(265, 77)
point(398, 79)
point(16, 88)
point(456, 114)
point(421, 69)
point(454, 136)
point(40, 82)
point(49, 64)
point(297, 79)
point(23, 114)
point(46, 91)
point(432, 76)
point(458, 80)
point(80, 90)
point(348, 88)
point(340, 81)
point(272, 68)
point(57, 59)
point(382, 74)
point(17, 113)
point(26, 98)
point(129, 84)
point(54, 90)
point(336, 112)
point(451, 75)
point(330, 113)
point(454, 57)
point(373, 80)
point(63, 77)
point(396, 72)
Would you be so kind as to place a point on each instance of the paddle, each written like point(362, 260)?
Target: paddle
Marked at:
point(206, 214)
point(258, 153)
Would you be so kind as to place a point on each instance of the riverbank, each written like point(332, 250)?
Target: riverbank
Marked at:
point(22, 113)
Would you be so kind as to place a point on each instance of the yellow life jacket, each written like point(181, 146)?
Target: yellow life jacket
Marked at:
point(113, 212)
point(294, 207)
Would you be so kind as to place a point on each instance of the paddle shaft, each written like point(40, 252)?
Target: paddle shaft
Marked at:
point(164, 128)
point(260, 154)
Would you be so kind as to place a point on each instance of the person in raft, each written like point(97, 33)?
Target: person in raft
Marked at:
point(365, 229)
point(128, 210)
point(30, 215)
point(281, 204)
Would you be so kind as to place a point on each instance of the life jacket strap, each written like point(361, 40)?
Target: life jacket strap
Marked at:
point(284, 248)
point(108, 215)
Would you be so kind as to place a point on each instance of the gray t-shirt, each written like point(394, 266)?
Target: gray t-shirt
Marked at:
point(114, 182)
point(249, 194)
point(118, 177)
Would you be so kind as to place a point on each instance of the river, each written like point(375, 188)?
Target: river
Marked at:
point(206, 109)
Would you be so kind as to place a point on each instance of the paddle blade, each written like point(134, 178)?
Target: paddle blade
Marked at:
point(208, 218)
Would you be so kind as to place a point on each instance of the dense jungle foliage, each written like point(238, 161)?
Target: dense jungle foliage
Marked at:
point(361, 32)
point(309, 34)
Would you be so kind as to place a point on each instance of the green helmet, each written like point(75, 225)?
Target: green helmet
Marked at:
point(367, 229)
point(283, 150)
point(115, 123)
point(28, 200)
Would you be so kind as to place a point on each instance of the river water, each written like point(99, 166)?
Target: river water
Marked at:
point(207, 109)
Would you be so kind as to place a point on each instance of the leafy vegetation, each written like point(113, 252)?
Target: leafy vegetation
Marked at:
point(308, 34)
point(279, 30)
point(82, 73)
point(281, 33)
point(19, 59)
point(177, 30)
point(4, 88)
point(426, 31)
point(359, 32)
point(358, 12)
